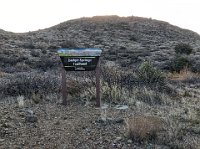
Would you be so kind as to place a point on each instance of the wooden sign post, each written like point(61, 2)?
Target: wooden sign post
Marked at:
point(64, 87)
point(97, 73)
point(80, 60)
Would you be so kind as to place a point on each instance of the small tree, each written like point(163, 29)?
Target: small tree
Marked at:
point(183, 48)
point(179, 63)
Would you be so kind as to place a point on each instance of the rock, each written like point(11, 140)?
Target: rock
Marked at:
point(121, 107)
point(119, 120)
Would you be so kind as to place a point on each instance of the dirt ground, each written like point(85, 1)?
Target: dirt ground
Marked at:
point(81, 125)
point(52, 125)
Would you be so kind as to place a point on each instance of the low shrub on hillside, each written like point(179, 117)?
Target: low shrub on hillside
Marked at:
point(28, 83)
point(44, 62)
point(68, 44)
point(28, 45)
point(183, 48)
point(195, 65)
point(147, 74)
point(149, 96)
point(10, 60)
point(179, 63)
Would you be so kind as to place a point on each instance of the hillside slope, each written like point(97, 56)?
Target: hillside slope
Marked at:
point(125, 40)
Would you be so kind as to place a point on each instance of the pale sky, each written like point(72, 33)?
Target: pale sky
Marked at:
point(31, 15)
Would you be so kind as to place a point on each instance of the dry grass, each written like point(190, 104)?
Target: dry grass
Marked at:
point(144, 128)
point(184, 74)
point(2, 74)
point(112, 94)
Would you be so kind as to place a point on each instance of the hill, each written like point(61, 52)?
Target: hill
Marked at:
point(126, 40)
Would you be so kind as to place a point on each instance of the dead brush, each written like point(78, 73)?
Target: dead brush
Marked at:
point(144, 128)
point(2, 74)
point(113, 93)
point(184, 74)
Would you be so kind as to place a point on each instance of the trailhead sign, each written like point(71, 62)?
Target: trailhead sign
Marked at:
point(84, 59)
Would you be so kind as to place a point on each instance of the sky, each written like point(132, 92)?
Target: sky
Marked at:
point(30, 15)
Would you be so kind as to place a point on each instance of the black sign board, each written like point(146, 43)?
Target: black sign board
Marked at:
point(79, 59)
point(75, 63)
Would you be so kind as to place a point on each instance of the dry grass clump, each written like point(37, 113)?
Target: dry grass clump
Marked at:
point(2, 74)
point(111, 94)
point(182, 75)
point(149, 96)
point(144, 128)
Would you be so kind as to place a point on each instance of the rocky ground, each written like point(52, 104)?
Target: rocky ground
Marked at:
point(57, 126)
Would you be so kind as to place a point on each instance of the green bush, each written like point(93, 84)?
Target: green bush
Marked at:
point(179, 63)
point(183, 48)
point(147, 74)
point(28, 45)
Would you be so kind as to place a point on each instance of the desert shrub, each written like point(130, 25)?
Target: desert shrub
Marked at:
point(144, 128)
point(10, 69)
point(28, 45)
point(44, 63)
point(133, 38)
point(36, 97)
point(125, 63)
point(68, 44)
point(42, 45)
point(110, 57)
point(35, 53)
point(149, 96)
point(195, 67)
point(147, 74)
point(111, 94)
point(74, 87)
point(178, 63)
point(20, 67)
point(122, 48)
point(183, 48)
point(28, 83)
point(114, 75)
point(7, 60)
